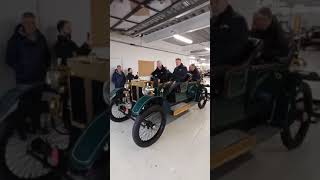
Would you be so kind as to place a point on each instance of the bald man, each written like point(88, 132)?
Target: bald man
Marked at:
point(229, 34)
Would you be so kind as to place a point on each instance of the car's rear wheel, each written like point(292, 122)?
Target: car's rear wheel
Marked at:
point(119, 111)
point(149, 126)
point(298, 117)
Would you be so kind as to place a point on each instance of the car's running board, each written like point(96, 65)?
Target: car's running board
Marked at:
point(180, 108)
point(229, 145)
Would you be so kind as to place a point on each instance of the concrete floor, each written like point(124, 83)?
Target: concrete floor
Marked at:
point(270, 160)
point(181, 153)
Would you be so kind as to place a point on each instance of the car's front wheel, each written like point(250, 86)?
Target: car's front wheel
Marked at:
point(119, 111)
point(149, 126)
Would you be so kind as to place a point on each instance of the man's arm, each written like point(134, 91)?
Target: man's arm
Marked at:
point(12, 54)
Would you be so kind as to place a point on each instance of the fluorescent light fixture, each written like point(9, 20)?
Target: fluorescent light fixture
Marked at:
point(207, 48)
point(192, 57)
point(183, 39)
point(202, 59)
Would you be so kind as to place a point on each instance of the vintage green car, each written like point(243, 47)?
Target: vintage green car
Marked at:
point(155, 102)
point(271, 93)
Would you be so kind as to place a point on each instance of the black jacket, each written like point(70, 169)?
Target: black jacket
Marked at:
point(276, 43)
point(161, 74)
point(65, 48)
point(30, 59)
point(130, 77)
point(180, 73)
point(195, 75)
point(118, 79)
point(229, 38)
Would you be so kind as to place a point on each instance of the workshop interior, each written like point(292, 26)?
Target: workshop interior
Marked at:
point(160, 89)
point(265, 112)
point(54, 95)
point(121, 89)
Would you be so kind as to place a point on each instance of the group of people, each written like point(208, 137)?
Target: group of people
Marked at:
point(231, 31)
point(160, 74)
point(28, 54)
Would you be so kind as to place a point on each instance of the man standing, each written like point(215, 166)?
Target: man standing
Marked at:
point(65, 47)
point(229, 34)
point(27, 52)
point(119, 78)
point(160, 73)
point(180, 72)
point(28, 55)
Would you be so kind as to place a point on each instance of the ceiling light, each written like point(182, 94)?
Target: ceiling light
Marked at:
point(183, 39)
point(208, 49)
point(192, 57)
point(202, 59)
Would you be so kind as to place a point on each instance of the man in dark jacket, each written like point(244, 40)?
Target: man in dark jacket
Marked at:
point(180, 72)
point(65, 47)
point(130, 75)
point(193, 70)
point(266, 27)
point(229, 34)
point(118, 78)
point(28, 55)
point(160, 73)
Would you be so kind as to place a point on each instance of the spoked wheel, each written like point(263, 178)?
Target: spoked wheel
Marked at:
point(203, 98)
point(149, 126)
point(299, 117)
point(119, 111)
point(16, 160)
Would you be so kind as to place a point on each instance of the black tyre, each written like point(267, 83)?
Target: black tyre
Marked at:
point(117, 115)
point(203, 98)
point(149, 126)
point(299, 118)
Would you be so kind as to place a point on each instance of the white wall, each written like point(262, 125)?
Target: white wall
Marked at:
point(11, 11)
point(76, 11)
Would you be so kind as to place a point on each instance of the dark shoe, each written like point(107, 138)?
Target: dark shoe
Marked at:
point(22, 135)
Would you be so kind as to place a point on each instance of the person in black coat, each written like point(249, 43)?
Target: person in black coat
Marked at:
point(193, 70)
point(266, 27)
point(180, 72)
point(130, 75)
point(229, 35)
point(28, 55)
point(65, 47)
point(118, 77)
point(160, 73)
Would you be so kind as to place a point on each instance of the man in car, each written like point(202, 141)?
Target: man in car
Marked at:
point(180, 72)
point(193, 70)
point(266, 27)
point(160, 73)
